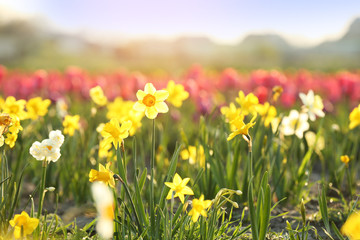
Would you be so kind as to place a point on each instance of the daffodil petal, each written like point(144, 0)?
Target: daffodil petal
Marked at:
point(161, 95)
point(139, 107)
point(140, 94)
point(161, 107)
point(150, 89)
point(151, 112)
point(186, 190)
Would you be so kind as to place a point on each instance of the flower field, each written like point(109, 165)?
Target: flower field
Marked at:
point(265, 154)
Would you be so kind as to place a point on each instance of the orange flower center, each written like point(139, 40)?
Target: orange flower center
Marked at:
point(49, 147)
point(149, 100)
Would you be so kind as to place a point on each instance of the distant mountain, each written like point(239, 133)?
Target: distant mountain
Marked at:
point(268, 40)
point(24, 40)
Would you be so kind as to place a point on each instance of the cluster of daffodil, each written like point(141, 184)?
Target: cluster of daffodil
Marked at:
point(248, 104)
point(13, 111)
point(179, 189)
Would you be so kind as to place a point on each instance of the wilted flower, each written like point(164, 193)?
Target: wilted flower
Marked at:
point(37, 107)
point(97, 95)
point(199, 207)
point(276, 92)
point(112, 131)
point(354, 117)
point(23, 224)
point(313, 105)
point(296, 123)
point(104, 175)
point(151, 101)
point(71, 123)
point(179, 187)
point(5, 121)
point(351, 227)
point(177, 93)
point(104, 201)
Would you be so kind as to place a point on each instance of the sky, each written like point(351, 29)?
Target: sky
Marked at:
point(305, 22)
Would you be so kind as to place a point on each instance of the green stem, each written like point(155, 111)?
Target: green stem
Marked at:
point(152, 163)
point(42, 187)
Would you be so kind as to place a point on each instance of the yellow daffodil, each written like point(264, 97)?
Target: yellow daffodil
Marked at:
point(104, 175)
point(151, 101)
point(71, 123)
point(2, 140)
point(267, 112)
point(247, 103)
point(194, 155)
point(179, 187)
point(177, 93)
point(23, 224)
point(11, 139)
point(15, 124)
point(36, 107)
point(12, 106)
point(97, 95)
point(123, 111)
point(112, 131)
point(104, 149)
point(345, 159)
point(199, 207)
point(5, 121)
point(241, 127)
point(351, 227)
point(230, 112)
point(354, 117)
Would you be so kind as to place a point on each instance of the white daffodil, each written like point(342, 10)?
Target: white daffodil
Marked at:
point(296, 123)
point(313, 105)
point(36, 150)
point(48, 149)
point(104, 201)
point(57, 137)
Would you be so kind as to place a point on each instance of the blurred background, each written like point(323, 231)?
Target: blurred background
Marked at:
point(171, 36)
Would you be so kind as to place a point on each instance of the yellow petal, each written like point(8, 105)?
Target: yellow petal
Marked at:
point(139, 107)
point(161, 107)
point(151, 112)
point(170, 185)
point(150, 89)
point(140, 95)
point(161, 95)
point(181, 196)
point(195, 216)
point(186, 190)
point(185, 181)
point(169, 196)
point(177, 179)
